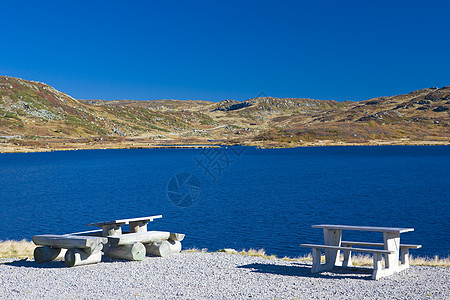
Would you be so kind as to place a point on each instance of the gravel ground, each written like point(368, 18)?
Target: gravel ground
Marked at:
point(212, 276)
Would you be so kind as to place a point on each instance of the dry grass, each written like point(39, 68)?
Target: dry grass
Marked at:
point(256, 252)
point(24, 249)
point(367, 260)
point(357, 259)
point(191, 250)
point(19, 249)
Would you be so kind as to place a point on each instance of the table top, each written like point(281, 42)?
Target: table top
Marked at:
point(126, 221)
point(365, 228)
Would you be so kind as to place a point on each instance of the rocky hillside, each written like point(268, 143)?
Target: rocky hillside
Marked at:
point(32, 111)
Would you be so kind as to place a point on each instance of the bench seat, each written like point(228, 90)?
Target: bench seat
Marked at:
point(369, 244)
point(404, 251)
point(347, 248)
point(69, 241)
point(82, 250)
point(140, 237)
point(317, 266)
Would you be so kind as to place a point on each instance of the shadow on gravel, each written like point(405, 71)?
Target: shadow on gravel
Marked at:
point(33, 264)
point(304, 270)
point(58, 264)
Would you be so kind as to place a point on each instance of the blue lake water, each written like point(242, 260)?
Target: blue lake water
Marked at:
point(236, 197)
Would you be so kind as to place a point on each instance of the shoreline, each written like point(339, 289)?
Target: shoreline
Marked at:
point(8, 148)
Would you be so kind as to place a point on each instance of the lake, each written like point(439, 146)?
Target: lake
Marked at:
point(235, 197)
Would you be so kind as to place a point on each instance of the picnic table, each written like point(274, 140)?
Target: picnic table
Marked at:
point(333, 244)
point(87, 247)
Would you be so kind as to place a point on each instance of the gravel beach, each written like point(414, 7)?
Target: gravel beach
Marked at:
point(212, 276)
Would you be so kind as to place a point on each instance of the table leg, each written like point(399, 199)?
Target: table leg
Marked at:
point(140, 226)
point(392, 242)
point(332, 237)
point(113, 229)
point(404, 254)
point(347, 259)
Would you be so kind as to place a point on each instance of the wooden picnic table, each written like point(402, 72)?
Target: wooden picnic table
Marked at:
point(333, 244)
point(87, 247)
point(391, 240)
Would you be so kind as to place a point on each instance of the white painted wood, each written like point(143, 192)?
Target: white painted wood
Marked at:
point(404, 251)
point(378, 271)
point(68, 241)
point(364, 228)
point(140, 237)
point(392, 243)
point(161, 249)
point(135, 251)
point(316, 254)
point(46, 254)
point(77, 257)
point(125, 221)
point(367, 244)
point(381, 251)
point(405, 257)
point(347, 258)
point(176, 237)
point(332, 237)
point(370, 244)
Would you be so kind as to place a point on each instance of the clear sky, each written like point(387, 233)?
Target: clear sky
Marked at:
point(216, 50)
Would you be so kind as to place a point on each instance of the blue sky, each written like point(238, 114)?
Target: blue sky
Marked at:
point(215, 50)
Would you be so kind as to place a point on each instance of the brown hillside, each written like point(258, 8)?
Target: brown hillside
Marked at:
point(34, 115)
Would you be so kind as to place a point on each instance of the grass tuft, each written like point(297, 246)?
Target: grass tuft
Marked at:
point(16, 249)
point(256, 252)
point(193, 250)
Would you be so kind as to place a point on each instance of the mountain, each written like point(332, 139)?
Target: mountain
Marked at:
point(35, 115)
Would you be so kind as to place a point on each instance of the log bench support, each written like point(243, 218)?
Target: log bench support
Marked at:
point(81, 250)
point(378, 270)
point(134, 251)
point(154, 243)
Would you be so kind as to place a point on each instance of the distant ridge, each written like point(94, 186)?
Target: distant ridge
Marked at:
point(34, 110)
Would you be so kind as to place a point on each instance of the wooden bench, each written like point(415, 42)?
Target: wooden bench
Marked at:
point(81, 250)
point(378, 270)
point(404, 251)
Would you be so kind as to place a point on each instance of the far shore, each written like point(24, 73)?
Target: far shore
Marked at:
point(25, 146)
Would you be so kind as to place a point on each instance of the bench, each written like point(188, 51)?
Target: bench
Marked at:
point(378, 270)
point(404, 251)
point(81, 250)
